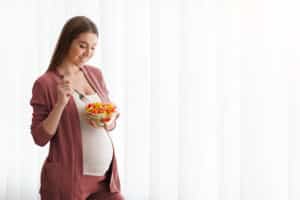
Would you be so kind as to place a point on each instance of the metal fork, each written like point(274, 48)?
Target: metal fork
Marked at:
point(82, 97)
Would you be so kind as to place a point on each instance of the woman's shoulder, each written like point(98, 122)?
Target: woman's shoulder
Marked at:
point(45, 79)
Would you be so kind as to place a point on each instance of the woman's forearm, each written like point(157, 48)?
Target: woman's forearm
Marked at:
point(50, 124)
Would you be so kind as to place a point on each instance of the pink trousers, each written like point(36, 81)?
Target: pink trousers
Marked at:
point(96, 188)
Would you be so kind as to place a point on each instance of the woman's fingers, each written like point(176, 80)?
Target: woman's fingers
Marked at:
point(66, 87)
point(66, 84)
point(115, 116)
point(92, 122)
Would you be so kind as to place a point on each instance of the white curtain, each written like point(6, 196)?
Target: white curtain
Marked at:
point(209, 94)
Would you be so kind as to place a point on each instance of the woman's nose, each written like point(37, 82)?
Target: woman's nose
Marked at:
point(87, 53)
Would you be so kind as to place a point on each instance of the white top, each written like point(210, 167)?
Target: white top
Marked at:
point(97, 146)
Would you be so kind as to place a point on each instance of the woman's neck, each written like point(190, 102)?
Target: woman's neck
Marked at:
point(68, 69)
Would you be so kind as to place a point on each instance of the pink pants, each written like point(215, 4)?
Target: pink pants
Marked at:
point(96, 188)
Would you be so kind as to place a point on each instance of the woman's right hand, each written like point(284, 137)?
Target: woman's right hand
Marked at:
point(64, 92)
point(50, 124)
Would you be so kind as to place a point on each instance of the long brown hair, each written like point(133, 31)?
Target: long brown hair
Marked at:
point(72, 28)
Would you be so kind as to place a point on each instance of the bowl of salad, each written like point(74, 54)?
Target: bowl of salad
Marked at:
point(100, 112)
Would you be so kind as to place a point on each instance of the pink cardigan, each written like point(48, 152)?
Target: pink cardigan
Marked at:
point(64, 166)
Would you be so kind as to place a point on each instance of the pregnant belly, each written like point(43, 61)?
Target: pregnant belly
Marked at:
point(97, 153)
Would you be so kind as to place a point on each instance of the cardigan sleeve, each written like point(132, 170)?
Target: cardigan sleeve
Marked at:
point(40, 112)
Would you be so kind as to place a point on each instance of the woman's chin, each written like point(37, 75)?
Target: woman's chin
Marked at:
point(81, 63)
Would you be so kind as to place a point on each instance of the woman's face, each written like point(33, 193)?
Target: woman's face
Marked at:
point(82, 48)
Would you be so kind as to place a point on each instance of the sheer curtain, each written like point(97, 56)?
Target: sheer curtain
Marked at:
point(208, 92)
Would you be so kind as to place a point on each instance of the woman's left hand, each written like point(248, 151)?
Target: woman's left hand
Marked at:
point(113, 118)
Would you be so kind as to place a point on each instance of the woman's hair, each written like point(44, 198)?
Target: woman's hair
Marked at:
point(71, 30)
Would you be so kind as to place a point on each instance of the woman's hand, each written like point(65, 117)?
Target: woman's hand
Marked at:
point(50, 123)
point(93, 123)
point(103, 125)
point(114, 117)
point(64, 91)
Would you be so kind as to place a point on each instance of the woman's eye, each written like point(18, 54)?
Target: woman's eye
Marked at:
point(82, 46)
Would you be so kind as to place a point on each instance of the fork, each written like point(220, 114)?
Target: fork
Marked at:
point(81, 96)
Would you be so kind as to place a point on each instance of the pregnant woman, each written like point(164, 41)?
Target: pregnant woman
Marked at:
point(81, 162)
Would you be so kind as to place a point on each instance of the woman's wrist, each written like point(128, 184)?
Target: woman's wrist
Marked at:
point(50, 124)
point(59, 106)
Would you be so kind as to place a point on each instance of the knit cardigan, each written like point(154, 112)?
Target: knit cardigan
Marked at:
point(63, 166)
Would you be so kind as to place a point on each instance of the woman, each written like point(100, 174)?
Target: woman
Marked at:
point(81, 163)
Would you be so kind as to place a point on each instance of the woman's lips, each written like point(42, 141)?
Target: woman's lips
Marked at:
point(81, 59)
